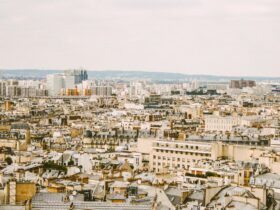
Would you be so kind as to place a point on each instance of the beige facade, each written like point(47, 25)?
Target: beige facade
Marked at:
point(8, 143)
point(171, 155)
point(272, 161)
point(144, 145)
point(175, 155)
point(217, 123)
point(19, 192)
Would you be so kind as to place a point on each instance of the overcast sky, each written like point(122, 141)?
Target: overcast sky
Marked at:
point(221, 37)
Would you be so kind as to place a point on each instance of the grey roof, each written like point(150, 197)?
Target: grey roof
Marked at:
point(44, 201)
point(20, 126)
point(229, 191)
point(43, 197)
point(174, 194)
point(109, 206)
point(90, 205)
point(197, 195)
point(269, 179)
point(234, 205)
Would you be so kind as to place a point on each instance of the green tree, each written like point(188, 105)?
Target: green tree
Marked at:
point(9, 160)
point(71, 162)
point(52, 165)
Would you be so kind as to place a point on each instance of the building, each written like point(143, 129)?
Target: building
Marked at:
point(56, 83)
point(218, 123)
point(239, 84)
point(3, 88)
point(174, 154)
point(102, 90)
point(17, 192)
point(78, 75)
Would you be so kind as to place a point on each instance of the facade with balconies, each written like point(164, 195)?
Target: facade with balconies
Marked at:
point(178, 155)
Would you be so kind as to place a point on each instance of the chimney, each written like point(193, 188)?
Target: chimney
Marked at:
point(27, 136)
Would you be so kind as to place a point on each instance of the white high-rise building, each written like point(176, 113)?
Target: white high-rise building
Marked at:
point(3, 88)
point(55, 82)
point(68, 80)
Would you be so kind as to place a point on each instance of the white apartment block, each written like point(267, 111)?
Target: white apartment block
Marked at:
point(217, 123)
point(169, 155)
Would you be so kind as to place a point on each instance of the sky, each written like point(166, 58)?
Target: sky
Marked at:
point(218, 37)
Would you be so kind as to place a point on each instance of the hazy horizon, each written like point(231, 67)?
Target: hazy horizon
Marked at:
point(143, 71)
point(204, 37)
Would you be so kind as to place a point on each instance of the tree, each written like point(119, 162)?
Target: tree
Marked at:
point(209, 173)
point(9, 160)
point(51, 165)
point(71, 162)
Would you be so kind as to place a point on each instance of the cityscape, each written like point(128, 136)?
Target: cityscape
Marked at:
point(73, 142)
point(139, 105)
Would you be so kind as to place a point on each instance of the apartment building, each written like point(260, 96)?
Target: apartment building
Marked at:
point(227, 123)
point(174, 154)
point(3, 88)
point(102, 90)
point(217, 123)
point(170, 155)
point(239, 84)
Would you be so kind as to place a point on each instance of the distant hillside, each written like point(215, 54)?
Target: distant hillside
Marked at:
point(41, 74)
point(110, 74)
